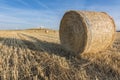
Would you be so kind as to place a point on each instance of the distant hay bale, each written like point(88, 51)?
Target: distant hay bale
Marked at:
point(46, 31)
point(54, 31)
point(86, 31)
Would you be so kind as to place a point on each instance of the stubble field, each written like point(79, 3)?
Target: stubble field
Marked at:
point(38, 55)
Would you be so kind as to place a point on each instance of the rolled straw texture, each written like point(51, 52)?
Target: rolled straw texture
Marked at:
point(86, 31)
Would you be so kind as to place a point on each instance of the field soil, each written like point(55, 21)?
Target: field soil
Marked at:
point(38, 55)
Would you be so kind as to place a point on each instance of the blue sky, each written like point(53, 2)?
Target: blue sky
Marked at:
point(22, 14)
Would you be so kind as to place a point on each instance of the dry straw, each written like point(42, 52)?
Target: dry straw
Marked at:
point(86, 31)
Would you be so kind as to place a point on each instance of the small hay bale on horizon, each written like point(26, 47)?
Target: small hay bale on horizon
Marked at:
point(46, 31)
point(86, 31)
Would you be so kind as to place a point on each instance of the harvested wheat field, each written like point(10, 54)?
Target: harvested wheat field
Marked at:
point(38, 55)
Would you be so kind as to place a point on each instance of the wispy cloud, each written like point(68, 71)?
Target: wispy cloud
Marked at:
point(42, 4)
point(27, 17)
point(48, 14)
point(23, 2)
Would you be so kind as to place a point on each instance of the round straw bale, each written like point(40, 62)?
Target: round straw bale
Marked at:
point(46, 31)
point(86, 31)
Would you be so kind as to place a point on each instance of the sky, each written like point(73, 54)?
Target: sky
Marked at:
point(24, 14)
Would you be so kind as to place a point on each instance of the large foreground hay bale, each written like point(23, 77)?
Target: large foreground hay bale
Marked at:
point(86, 31)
